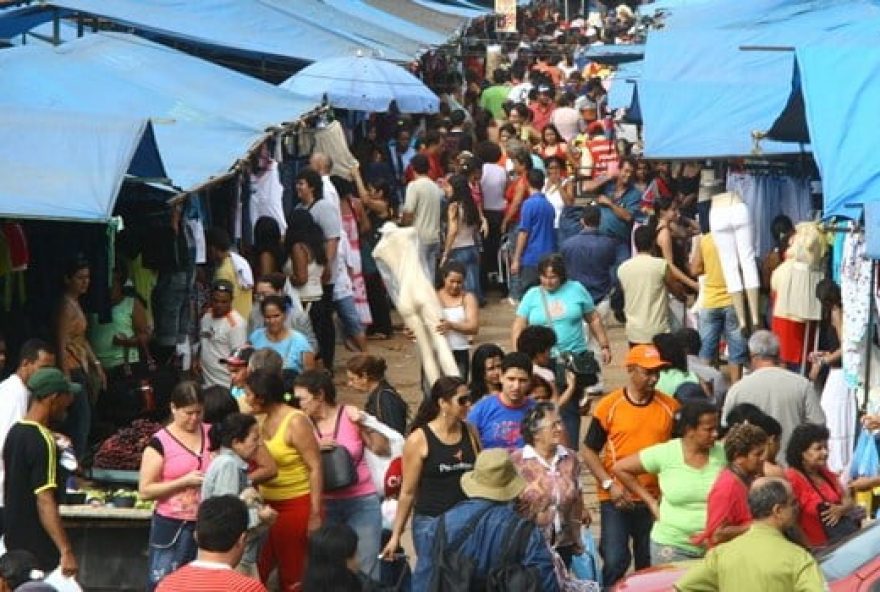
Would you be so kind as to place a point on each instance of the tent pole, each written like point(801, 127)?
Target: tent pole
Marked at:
point(56, 28)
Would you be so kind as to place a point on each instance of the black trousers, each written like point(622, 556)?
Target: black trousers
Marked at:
point(321, 315)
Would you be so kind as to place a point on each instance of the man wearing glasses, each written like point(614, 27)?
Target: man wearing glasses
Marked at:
point(221, 331)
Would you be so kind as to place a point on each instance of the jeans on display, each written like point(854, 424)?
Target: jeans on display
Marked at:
point(715, 322)
point(430, 255)
point(172, 545)
point(732, 231)
point(171, 310)
point(321, 315)
point(618, 527)
point(423, 529)
point(470, 258)
point(364, 515)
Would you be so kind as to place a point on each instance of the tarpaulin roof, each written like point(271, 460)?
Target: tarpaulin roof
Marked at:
point(701, 95)
point(424, 16)
point(205, 116)
point(839, 91)
point(14, 21)
point(623, 85)
point(69, 166)
point(362, 10)
point(615, 54)
point(463, 9)
point(262, 27)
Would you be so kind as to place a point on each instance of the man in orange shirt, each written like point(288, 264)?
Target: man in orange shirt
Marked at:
point(624, 422)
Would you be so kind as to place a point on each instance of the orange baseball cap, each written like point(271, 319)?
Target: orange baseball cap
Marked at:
point(645, 356)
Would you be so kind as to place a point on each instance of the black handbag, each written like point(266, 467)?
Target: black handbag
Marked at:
point(337, 466)
point(848, 524)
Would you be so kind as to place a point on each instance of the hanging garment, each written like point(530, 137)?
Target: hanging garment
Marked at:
point(355, 269)
point(331, 141)
point(856, 293)
point(19, 254)
point(767, 195)
point(732, 228)
point(267, 196)
point(840, 407)
point(794, 281)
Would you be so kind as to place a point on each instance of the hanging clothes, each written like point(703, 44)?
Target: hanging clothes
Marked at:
point(767, 195)
point(267, 196)
point(856, 293)
point(355, 269)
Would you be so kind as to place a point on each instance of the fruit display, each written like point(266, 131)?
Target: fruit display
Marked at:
point(122, 450)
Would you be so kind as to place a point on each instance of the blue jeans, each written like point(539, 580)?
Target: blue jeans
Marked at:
point(470, 258)
point(618, 527)
point(715, 322)
point(171, 307)
point(363, 515)
point(172, 545)
point(423, 529)
point(622, 253)
point(429, 256)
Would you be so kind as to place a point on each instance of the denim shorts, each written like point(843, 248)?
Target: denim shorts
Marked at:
point(715, 322)
point(172, 545)
point(348, 316)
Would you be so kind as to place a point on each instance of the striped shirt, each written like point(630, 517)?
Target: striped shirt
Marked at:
point(206, 576)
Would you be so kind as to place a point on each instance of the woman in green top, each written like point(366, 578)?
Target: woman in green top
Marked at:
point(126, 338)
point(686, 469)
point(676, 373)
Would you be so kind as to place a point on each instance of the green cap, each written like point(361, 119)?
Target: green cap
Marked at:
point(48, 381)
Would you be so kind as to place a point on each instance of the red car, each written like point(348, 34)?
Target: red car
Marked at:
point(853, 565)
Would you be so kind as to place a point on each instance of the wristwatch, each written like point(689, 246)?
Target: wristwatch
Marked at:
point(606, 484)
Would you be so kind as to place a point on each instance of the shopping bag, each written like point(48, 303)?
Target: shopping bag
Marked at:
point(866, 461)
point(381, 465)
point(586, 565)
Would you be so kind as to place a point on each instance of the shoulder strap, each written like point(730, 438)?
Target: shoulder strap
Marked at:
point(338, 417)
point(813, 485)
point(379, 404)
point(475, 442)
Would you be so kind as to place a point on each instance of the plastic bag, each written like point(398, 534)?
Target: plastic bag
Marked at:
point(62, 583)
point(379, 465)
point(586, 565)
point(866, 461)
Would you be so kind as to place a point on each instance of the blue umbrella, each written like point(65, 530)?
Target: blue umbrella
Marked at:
point(362, 83)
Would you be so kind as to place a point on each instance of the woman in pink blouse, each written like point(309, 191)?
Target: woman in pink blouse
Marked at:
point(553, 496)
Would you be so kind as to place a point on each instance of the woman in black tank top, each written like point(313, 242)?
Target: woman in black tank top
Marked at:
point(441, 446)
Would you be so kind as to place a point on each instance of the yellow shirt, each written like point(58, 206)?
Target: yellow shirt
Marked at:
point(715, 294)
point(242, 300)
point(292, 479)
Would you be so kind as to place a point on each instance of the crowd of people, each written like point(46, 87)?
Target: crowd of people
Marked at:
point(517, 187)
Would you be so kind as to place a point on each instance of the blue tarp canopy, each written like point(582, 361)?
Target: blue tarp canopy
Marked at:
point(623, 85)
point(422, 14)
point(14, 21)
point(701, 95)
point(61, 165)
point(251, 27)
point(377, 17)
point(205, 117)
point(457, 8)
point(837, 94)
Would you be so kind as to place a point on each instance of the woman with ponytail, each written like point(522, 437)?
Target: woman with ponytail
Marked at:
point(440, 447)
point(291, 345)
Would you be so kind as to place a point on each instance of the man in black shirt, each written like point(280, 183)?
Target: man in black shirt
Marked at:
point(31, 459)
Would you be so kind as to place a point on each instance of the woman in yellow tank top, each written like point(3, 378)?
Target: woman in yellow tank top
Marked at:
point(291, 442)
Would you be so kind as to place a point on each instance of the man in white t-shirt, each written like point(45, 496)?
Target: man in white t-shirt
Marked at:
point(14, 394)
point(221, 331)
point(422, 209)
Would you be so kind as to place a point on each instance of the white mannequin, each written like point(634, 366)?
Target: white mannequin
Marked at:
point(397, 256)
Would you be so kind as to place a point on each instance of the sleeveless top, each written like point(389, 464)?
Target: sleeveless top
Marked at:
point(349, 436)
point(76, 354)
point(178, 460)
point(312, 290)
point(101, 335)
point(455, 314)
point(466, 232)
point(440, 481)
point(292, 479)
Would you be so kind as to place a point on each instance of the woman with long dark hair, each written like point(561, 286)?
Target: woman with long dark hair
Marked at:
point(486, 371)
point(439, 449)
point(306, 257)
point(333, 563)
point(460, 314)
point(463, 223)
point(268, 253)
